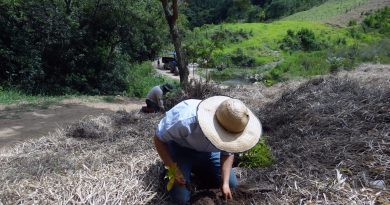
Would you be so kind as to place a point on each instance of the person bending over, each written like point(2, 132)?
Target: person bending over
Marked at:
point(154, 99)
point(200, 137)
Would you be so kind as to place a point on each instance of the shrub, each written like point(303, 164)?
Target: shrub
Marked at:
point(352, 22)
point(355, 32)
point(224, 35)
point(336, 63)
point(379, 21)
point(299, 64)
point(304, 39)
point(141, 79)
point(308, 40)
point(341, 41)
point(258, 156)
point(239, 58)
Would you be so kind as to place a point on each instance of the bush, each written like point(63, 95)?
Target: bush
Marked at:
point(239, 58)
point(141, 79)
point(379, 20)
point(299, 64)
point(304, 39)
point(352, 22)
point(355, 32)
point(225, 35)
point(258, 156)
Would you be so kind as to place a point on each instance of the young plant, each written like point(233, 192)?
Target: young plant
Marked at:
point(172, 175)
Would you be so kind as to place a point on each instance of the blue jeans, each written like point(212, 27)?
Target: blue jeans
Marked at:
point(204, 164)
point(151, 104)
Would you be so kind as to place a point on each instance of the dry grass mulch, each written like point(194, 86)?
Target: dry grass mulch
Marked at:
point(329, 136)
point(331, 141)
point(98, 160)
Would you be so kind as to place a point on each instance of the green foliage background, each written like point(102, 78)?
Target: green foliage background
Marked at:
point(51, 47)
point(282, 50)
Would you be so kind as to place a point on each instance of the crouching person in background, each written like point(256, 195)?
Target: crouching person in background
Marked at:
point(200, 137)
point(154, 99)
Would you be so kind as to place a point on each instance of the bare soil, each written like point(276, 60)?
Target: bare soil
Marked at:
point(358, 14)
point(19, 123)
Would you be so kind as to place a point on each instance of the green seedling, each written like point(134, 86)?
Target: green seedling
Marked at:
point(171, 176)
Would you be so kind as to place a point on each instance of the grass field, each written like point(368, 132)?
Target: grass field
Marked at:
point(327, 10)
point(262, 43)
point(14, 96)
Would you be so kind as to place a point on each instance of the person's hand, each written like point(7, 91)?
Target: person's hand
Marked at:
point(174, 175)
point(179, 178)
point(226, 192)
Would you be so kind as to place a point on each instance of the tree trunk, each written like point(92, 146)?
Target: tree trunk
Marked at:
point(171, 14)
point(68, 4)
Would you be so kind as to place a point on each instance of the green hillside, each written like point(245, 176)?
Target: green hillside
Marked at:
point(265, 37)
point(283, 49)
point(327, 10)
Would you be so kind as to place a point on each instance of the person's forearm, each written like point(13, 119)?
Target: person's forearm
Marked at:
point(160, 103)
point(163, 151)
point(226, 166)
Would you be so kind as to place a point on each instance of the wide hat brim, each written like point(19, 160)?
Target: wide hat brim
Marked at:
point(221, 138)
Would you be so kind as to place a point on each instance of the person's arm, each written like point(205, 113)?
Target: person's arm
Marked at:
point(160, 101)
point(226, 166)
point(163, 152)
point(161, 104)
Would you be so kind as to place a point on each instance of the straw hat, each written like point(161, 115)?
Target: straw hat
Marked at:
point(228, 124)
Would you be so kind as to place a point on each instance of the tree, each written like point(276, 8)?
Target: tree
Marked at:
point(171, 12)
point(68, 46)
point(200, 12)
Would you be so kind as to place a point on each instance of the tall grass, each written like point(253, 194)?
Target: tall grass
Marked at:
point(142, 77)
point(263, 43)
point(13, 96)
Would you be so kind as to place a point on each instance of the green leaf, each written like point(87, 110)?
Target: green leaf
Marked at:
point(171, 174)
point(170, 184)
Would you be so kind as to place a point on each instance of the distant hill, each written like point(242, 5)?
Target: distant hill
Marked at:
point(339, 12)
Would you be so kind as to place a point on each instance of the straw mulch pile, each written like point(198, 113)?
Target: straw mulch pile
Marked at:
point(98, 160)
point(331, 142)
point(329, 137)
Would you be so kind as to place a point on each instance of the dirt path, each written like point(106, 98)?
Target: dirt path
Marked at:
point(19, 123)
point(191, 68)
